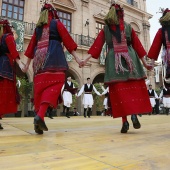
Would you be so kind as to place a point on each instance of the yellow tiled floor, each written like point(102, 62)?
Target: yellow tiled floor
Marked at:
point(85, 144)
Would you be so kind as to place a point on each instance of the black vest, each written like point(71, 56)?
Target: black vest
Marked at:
point(66, 87)
point(86, 89)
point(166, 92)
point(152, 93)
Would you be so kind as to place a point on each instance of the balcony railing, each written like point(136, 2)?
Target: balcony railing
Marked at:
point(83, 40)
point(29, 28)
point(79, 39)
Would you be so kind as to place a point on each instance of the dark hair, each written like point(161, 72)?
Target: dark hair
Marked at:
point(150, 85)
point(88, 78)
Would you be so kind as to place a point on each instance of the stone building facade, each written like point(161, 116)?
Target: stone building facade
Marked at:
point(83, 19)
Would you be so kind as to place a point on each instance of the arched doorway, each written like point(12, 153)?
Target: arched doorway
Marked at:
point(99, 78)
point(98, 100)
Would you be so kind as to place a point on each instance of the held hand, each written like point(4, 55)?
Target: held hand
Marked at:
point(84, 62)
point(153, 62)
point(80, 62)
point(25, 68)
point(22, 67)
point(148, 66)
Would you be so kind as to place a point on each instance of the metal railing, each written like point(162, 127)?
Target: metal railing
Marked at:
point(83, 40)
point(29, 28)
point(79, 39)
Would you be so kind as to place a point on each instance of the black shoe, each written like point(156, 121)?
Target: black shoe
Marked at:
point(41, 124)
point(84, 116)
point(0, 117)
point(1, 127)
point(135, 121)
point(50, 117)
point(88, 116)
point(37, 130)
point(68, 116)
point(125, 127)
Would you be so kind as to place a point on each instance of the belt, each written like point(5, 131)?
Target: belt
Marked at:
point(151, 96)
point(55, 38)
point(166, 95)
point(88, 93)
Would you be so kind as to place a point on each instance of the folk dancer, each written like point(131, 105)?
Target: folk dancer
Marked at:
point(162, 37)
point(68, 90)
point(9, 97)
point(49, 62)
point(124, 72)
point(106, 100)
point(165, 96)
point(88, 88)
point(152, 96)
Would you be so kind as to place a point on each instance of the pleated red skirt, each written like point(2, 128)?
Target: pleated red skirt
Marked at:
point(129, 98)
point(47, 88)
point(8, 102)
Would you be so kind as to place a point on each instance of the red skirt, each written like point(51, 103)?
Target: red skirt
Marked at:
point(8, 102)
point(129, 98)
point(47, 88)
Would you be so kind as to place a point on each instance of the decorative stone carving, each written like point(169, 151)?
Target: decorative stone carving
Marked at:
point(85, 3)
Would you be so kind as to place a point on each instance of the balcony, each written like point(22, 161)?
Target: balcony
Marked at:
point(79, 39)
point(83, 40)
point(29, 28)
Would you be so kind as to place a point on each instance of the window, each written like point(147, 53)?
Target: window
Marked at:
point(130, 2)
point(13, 9)
point(65, 18)
point(99, 27)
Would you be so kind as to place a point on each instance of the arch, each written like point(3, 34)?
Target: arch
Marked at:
point(99, 78)
point(135, 26)
point(73, 73)
point(97, 72)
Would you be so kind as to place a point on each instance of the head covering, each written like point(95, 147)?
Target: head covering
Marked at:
point(5, 27)
point(165, 19)
point(115, 21)
point(115, 14)
point(47, 11)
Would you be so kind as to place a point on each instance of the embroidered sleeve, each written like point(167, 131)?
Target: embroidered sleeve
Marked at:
point(96, 48)
point(156, 46)
point(136, 44)
point(31, 47)
point(12, 46)
point(66, 38)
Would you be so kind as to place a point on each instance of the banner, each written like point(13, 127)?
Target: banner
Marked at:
point(103, 55)
point(18, 32)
